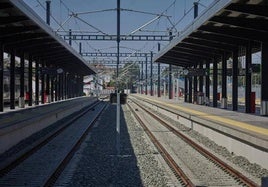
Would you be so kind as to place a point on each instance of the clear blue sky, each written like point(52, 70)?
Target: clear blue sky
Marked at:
point(106, 21)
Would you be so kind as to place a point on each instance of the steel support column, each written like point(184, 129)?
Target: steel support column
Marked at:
point(36, 82)
point(81, 86)
point(151, 78)
point(66, 85)
point(22, 81)
point(248, 77)
point(80, 48)
point(158, 76)
point(264, 80)
point(56, 87)
point(195, 86)
point(170, 86)
point(235, 81)
point(207, 83)
point(52, 88)
point(12, 79)
point(72, 86)
point(62, 86)
point(186, 92)
point(1, 77)
point(48, 87)
point(215, 83)
point(76, 86)
point(59, 87)
point(48, 2)
point(70, 36)
point(201, 79)
point(146, 75)
point(43, 84)
point(224, 81)
point(30, 80)
point(190, 91)
point(142, 77)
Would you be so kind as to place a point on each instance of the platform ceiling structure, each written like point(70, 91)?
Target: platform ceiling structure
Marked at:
point(226, 29)
point(224, 26)
point(58, 68)
point(22, 30)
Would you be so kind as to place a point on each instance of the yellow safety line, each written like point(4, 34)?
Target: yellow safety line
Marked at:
point(231, 122)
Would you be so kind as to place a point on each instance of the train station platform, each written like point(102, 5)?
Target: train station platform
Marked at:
point(19, 124)
point(241, 129)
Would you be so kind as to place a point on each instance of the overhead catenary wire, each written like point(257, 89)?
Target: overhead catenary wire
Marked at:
point(50, 14)
point(54, 17)
point(186, 13)
point(90, 25)
point(92, 12)
point(164, 14)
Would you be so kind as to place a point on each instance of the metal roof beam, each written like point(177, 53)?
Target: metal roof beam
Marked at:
point(236, 32)
point(186, 60)
point(12, 19)
point(5, 6)
point(31, 44)
point(218, 38)
point(52, 55)
point(198, 49)
point(257, 10)
point(176, 63)
point(189, 54)
point(48, 50)
point(212, 44)
point(60, 58)
point(10, 31)
point(23, 37)
point(247, 23)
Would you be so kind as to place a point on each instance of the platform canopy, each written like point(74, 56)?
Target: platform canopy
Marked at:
point(223, 27)
point(22, 30)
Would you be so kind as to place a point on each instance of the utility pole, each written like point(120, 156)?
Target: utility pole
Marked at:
point(48, 11)
point(158, 75)
point(117, 82)
point(151, 84)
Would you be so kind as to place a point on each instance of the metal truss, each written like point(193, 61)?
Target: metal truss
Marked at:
point(115, 61)
point(114, 37)
point(89, 54)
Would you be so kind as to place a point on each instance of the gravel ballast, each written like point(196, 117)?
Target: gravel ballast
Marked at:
point(97, 163)
point(251, 170)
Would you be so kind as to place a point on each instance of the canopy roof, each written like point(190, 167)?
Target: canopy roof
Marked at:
point(22, 30)
point(223, 27)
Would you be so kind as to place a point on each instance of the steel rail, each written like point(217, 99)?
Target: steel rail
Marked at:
point(35, 148)
point(57, 172)
point(168, 158)
point(204, 152)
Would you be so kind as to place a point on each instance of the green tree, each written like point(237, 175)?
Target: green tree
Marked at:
point(128, 75)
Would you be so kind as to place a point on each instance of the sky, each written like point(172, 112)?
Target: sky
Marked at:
point(99, 16)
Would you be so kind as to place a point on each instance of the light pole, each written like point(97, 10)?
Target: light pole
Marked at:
point(117, 82)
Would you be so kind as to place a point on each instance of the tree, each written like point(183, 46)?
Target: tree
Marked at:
point(128, 75)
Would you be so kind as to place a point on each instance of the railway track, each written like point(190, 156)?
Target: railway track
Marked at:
point(232, 176)
point(43, 164)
